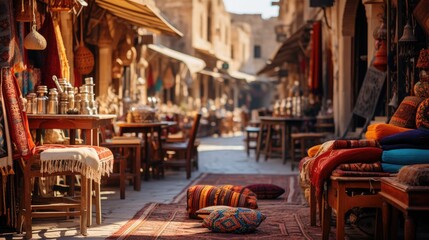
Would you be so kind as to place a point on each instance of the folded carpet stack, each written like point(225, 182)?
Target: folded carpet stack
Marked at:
point(405, 148)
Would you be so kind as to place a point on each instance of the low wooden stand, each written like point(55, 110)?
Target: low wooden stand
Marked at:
point(341, 197)
point(409, 200)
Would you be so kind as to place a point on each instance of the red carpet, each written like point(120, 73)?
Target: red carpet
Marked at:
point(287, 217)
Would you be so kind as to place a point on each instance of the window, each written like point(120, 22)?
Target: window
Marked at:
point(257, 51)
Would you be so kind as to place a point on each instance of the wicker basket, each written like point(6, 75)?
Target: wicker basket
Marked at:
point(84, 60)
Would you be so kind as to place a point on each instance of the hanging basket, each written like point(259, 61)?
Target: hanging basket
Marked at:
point(83, 60)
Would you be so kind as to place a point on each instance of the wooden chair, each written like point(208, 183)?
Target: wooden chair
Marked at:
point(184, 155)
point(303, 139)
point(251, 138)
point(128, 155)
point(127, 152)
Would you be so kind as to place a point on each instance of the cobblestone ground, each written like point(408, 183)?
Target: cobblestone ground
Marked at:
point(216, 155)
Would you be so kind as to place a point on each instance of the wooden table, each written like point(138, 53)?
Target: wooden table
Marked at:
point(89, 124)
point(285, 124)
point(145, 128)
point(410, 200)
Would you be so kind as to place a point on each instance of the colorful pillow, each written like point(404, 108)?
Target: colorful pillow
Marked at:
point(422, 115)
point(379, 131)
point(405, 115)
point(235, 220)
point(421, 89)
point(200, 196)
point(204, 212)
point(406, 156)
point(266, 190)
point(238, 189)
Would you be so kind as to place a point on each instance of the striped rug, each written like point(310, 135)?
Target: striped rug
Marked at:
point(288, 217)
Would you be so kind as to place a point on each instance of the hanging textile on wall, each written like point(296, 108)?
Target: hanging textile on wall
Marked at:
point(149, 80)
point(168, 81)
point(316, 73)
point(50, 56)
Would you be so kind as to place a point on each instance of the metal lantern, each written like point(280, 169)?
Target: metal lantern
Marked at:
point(407, 42)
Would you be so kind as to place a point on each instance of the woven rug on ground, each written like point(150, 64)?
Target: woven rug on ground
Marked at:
point(288, 217)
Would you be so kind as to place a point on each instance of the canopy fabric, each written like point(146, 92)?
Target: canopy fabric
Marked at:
point(194, 64)
point(242, 76)
point(211, 73)
point(139, 14)
point(287, 52)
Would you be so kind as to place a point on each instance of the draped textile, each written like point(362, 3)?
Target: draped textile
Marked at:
point(17, 118)
point(316, 74)
point(91, 161)
point(324, 164)
point(379, 131)
point(416, 138)
point(50, 56)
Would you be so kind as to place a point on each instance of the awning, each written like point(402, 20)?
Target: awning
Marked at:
point(289, 49)
point(211, 74)
point(194, 64)
point(139, 14)
point(242, 76)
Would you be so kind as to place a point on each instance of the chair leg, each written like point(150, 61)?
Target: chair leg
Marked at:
point(27, 205)
point(85, 194)
point(122, 166)
point(89, 201)
point(97, 203)
point(188, 168)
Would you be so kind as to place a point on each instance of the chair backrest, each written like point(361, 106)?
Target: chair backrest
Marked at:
point(193, 134)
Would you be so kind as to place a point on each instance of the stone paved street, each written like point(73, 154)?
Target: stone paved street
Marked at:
point(217, 155)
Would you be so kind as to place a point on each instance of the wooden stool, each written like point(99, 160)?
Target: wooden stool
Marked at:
point(251, 138)
point(303, 138)
point(410, 200)
point(340, 197)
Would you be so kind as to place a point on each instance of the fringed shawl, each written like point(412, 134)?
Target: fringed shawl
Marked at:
point(90, 161)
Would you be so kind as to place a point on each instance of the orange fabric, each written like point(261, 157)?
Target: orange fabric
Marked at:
point(378, 131)
point(313, 150)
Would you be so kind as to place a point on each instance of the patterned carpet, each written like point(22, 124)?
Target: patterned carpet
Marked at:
point(287, 217)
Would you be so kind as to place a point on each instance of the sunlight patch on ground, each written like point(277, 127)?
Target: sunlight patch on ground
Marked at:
point(219, 148)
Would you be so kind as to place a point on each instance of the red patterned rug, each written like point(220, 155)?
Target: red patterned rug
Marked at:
point(287, 217)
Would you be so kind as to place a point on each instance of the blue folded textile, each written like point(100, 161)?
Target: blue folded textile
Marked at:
point(416, 138)
point(405, 156)
point(391, 168)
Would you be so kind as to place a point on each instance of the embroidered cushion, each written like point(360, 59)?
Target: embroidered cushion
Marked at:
point(405, 115)
point(266, 190)
point(200, 196)
point(234, 220)
point(422, 115)
point(421, 89)
point(204, 212)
